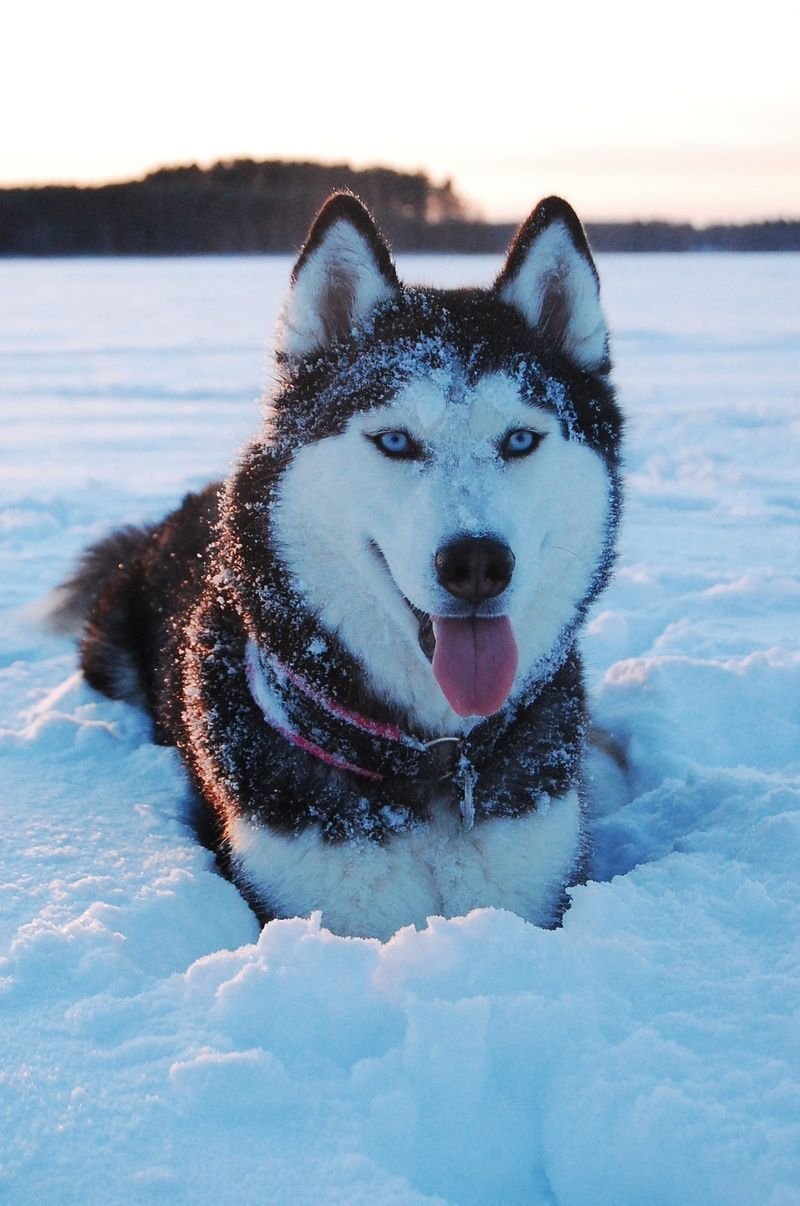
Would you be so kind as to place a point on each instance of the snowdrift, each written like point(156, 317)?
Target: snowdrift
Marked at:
point(157, 1047)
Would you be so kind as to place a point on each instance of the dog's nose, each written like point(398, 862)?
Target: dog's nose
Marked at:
point(475, 568)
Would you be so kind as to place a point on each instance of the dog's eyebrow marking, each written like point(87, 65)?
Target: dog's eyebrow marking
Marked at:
point(429, 402)
point(498, 392)
point(421, 402)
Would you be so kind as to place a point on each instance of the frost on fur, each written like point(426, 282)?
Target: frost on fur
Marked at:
point(551, 279)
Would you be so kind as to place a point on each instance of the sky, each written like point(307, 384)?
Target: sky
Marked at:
point(688, 112)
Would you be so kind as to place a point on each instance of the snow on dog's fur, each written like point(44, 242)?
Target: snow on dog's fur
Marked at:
point(364, 641)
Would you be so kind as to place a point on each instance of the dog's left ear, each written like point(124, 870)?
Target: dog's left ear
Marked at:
point(344, 271)
point(549, 275)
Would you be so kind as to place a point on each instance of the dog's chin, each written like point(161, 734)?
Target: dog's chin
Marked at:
point(473, 655)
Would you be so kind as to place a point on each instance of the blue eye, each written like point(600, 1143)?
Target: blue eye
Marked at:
point(396, 444)
point(520, 442)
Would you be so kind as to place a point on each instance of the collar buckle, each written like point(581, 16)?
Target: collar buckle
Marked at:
point(445, 755)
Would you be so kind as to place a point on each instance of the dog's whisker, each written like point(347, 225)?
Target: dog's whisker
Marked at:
point(563, 549)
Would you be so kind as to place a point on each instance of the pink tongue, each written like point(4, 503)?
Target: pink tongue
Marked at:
point(474, 663)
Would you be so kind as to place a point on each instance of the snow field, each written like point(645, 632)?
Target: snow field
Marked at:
point(157, 1047)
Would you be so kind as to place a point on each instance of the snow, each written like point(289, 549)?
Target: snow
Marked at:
point(157, 1047)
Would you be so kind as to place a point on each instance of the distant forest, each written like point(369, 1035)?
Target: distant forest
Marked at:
point(243, 206)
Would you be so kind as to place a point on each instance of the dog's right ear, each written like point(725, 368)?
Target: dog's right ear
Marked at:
point(344, 271)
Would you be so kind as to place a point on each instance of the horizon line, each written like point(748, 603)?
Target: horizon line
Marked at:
point(474, 209)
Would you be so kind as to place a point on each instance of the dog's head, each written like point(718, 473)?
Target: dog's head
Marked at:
point(449, 496)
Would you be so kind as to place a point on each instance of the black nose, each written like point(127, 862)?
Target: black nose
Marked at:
point(475, 568)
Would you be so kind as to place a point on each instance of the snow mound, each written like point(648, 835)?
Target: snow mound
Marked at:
point(158, 1047)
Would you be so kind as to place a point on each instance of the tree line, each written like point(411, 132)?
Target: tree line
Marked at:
point(244, 206)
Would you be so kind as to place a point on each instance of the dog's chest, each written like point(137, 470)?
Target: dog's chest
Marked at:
point(438, 869)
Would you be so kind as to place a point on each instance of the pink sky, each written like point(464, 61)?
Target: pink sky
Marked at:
point(687, 112)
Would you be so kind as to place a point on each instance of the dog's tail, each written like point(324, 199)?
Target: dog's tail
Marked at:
point(68, 607)
point(100, 605)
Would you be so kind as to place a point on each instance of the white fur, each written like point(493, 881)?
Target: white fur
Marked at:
point(440, 869)
point(551, 508)
point(553, 260)
point(342, 264)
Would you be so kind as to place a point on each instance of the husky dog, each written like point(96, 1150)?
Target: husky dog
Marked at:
point(363, 642)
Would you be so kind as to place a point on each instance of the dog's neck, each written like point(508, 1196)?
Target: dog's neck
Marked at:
point(379, 752)
point(348, 741)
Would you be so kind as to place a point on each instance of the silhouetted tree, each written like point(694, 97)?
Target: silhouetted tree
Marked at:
point(242, 205)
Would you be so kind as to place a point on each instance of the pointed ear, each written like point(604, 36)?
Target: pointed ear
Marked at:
point(550, 277)
point(344, 271)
